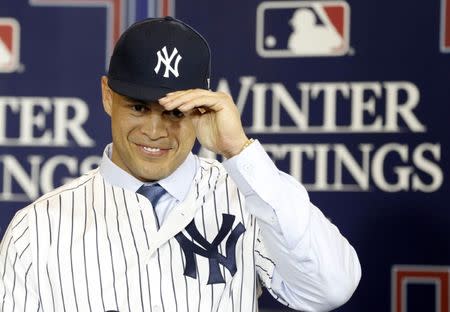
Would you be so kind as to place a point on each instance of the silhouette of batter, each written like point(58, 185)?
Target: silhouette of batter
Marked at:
point(310, 38)
point(5, 55)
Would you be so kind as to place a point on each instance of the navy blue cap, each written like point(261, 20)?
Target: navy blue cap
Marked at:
point(157, 56)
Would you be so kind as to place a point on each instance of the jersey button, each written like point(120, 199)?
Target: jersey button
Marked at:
point(156, 308)
point(248, 168)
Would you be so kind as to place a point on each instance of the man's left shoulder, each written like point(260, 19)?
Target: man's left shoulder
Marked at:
point(213, 170)
point(211, 164)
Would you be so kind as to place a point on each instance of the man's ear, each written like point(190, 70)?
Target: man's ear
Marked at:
point(107, 96)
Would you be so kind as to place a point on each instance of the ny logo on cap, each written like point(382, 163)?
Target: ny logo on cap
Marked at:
point(167, 61)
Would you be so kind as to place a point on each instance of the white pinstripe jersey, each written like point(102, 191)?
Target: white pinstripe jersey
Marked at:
point(91, 246)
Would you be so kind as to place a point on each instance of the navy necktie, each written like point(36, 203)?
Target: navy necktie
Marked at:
point(153, 192)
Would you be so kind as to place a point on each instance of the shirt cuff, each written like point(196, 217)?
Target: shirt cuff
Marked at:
point(271, 195)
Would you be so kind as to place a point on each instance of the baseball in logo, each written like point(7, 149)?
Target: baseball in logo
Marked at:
point(445, 26)
point(302, 28)
point(9, 45)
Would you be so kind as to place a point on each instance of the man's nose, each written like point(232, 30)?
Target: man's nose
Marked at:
point(155, 127)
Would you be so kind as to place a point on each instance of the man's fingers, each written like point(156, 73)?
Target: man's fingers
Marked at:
point(172, 96)
point(177, 94)
point(175, 99)
point(203, 102)
point(190, 101)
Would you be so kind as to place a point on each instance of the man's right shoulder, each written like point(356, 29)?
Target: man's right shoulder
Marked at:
point(40, 206)
point(50, 197)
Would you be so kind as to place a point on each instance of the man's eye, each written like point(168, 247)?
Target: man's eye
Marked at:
point(175, 114)
point(139, 108)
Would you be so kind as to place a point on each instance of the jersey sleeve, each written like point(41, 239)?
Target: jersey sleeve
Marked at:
point(302, 258)
point(17, 284)
point(265, 268)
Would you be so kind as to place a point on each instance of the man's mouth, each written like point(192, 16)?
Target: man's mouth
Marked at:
point(152, 149)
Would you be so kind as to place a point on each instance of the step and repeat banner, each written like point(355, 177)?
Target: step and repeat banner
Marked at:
point(350, 97)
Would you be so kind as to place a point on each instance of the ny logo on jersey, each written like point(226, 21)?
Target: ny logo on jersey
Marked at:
point(166, 60)
point(210, 250)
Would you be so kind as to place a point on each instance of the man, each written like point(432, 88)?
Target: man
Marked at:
point(156, 228)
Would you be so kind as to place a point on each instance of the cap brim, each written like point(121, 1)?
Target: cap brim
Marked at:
point(138, 92)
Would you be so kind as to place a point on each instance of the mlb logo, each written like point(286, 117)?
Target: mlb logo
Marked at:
point(445, 26)
point(9, 45)
point(302, 28)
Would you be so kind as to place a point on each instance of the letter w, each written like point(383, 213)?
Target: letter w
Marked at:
point(210, 250)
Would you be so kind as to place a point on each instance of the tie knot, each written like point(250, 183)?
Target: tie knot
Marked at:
point(153, 192)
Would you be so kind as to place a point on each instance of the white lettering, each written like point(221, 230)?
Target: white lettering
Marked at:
point(395, 109)
point(330, 91)
point(14, 107)
point(49, 168)
point(74, 126)
point(360, 106)
point(43, 122)
point(29, 120)
point(13, 171)
point(402, 172)
point(24, 181)
point(325, 107)
point(424, 164)
point(345, 159)
point(281, 97)
point(335, 167)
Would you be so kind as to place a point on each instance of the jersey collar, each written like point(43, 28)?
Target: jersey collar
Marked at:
point(177, 184)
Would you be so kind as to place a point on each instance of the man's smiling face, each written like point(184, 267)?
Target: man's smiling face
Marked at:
point(148, 141)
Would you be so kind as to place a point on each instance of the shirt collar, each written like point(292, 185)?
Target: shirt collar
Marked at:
point(177, 184)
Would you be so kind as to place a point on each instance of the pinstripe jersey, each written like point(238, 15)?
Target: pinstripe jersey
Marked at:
point(92, 246)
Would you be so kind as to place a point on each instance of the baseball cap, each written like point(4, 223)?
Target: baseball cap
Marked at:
point(156, 56)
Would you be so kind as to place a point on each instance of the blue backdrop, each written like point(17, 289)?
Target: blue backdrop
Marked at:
point(350, 97)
